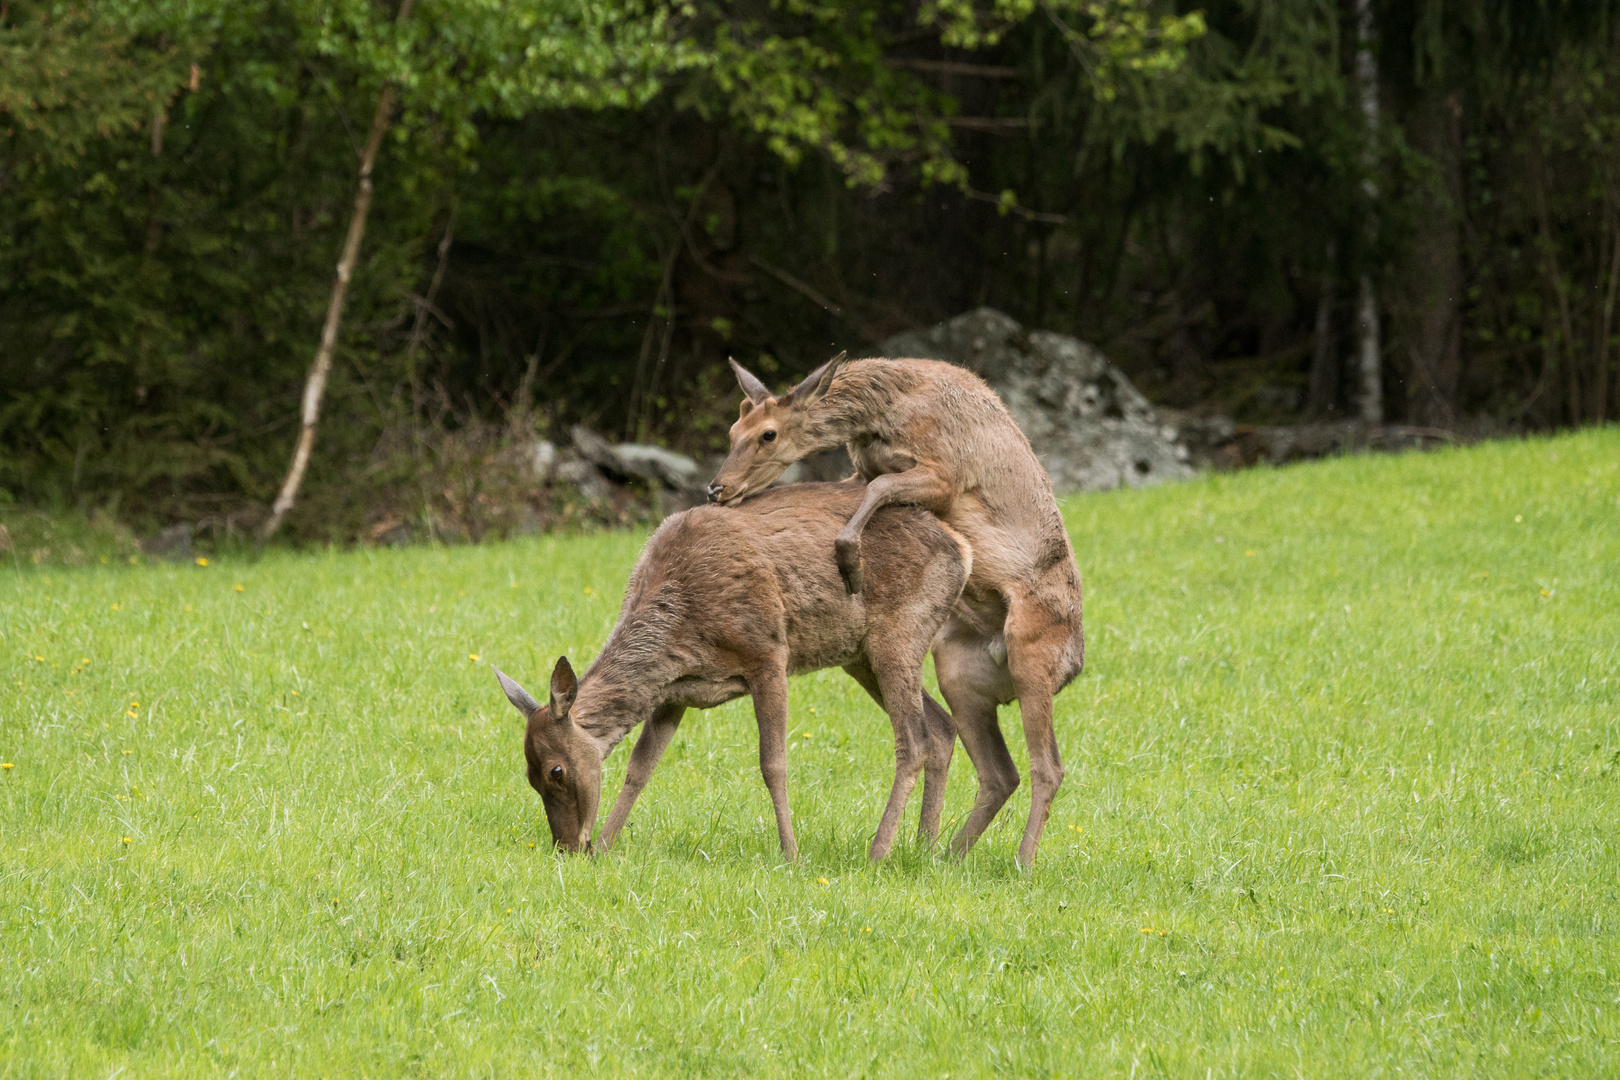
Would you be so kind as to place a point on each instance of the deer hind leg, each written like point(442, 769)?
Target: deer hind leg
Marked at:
point(974, 685)
point(769, 691)
point(1037, 659)
point(941, 735)
point(901, 698)
point(919, 486)
point(654, 739)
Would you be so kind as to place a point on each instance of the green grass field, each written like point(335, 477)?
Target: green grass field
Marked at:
point(1341, 800)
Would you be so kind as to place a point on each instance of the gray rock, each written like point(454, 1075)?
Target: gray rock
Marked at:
point(1090, 427)
point(598, 451)
point(542, 458)
point(626, 460)
point(173, 542)
point(584, 475)
point(673, 470)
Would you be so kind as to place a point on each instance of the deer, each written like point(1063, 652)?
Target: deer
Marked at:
point(929, 434)
point(730, 602)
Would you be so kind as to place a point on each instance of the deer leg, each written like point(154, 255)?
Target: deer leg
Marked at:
point(974, 685)
point(1036, 644)
point(919, 486)
point(904, 705)
point(654, 739)
point(769, 690)
point(941, 735)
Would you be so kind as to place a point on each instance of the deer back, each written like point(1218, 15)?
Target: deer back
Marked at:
point(756, 583)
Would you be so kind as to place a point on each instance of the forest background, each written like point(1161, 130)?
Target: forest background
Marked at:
point(578, 211)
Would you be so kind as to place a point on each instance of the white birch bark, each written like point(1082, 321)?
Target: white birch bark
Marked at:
point(315, 384)
point(1369, 368)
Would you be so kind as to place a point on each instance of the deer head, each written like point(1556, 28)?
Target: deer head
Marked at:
point(770, 433)
point(565, 763)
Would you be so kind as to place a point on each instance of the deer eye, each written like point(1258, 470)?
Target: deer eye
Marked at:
point(556, 772)
point(769, 436)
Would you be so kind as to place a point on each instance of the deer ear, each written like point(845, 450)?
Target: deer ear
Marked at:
point(563, 688)
point(751, 386)
point(817, 383)
point(519, 697)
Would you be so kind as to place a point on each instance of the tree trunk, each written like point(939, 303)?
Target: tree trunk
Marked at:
point(1600, 374)
point(1559, 339)
point(1368, 346)
point(315, 384)
point(1367, 360)
point(1323, 395)
point(1430, 313)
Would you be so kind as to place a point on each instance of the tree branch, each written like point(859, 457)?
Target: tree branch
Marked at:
point(315, 384)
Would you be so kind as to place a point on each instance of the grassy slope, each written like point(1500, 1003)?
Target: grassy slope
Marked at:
point(1337, 801)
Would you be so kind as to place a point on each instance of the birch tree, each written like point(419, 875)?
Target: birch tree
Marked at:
point(1369, 366)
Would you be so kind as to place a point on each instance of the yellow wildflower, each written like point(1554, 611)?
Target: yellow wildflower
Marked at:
point(201, 561)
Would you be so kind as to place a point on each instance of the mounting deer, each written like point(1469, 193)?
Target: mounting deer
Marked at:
point(929, 434)
point(724, 603)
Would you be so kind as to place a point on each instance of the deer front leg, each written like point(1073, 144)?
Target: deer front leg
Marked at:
point(920, 486)
point(655, 737)
point(769, 690)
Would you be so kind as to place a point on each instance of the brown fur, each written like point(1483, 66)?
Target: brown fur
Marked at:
point(724, 603)
point(931, 434)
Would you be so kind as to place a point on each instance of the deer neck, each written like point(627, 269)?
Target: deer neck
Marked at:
point(638, 667)
point(835, 420)
point(613, 701)
point(632, 677)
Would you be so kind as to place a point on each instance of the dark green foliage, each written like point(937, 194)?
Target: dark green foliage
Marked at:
point(625, 194)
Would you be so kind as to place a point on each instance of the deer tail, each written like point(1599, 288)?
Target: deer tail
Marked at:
point(964, 547)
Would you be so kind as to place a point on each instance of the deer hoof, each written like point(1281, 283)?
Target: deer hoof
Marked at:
point(848, 553)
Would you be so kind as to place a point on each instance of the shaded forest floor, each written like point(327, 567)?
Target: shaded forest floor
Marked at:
point(479, 485)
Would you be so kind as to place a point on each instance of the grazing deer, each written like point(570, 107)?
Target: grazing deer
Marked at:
point(930, 434)
point(724, 603)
